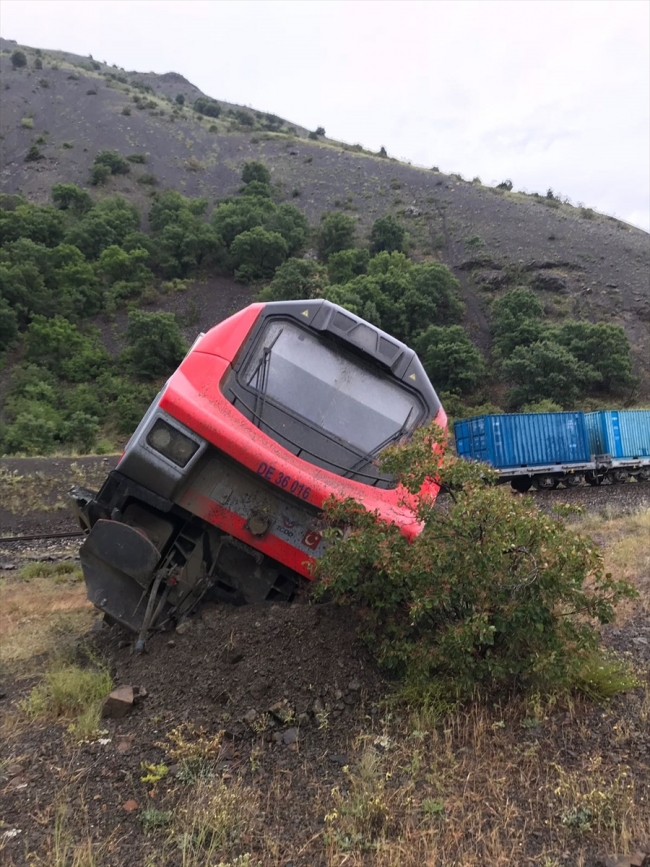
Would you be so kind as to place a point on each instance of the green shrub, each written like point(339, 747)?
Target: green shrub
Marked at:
point(27, 123)
point(18, 59)
point(148, 179)
point(115, 163)
point(99, 175)
point(387, 234)
point(203, 105)
point(336, 232)
point(491, 593)
point(451, 360)
point(137, 158)
point(155, 344)
point(257, 253)
point(33, 155)
point(71, 197)
point(255, 171)
point(296, 279)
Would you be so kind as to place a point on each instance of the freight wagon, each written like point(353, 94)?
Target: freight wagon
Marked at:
point(549, 449)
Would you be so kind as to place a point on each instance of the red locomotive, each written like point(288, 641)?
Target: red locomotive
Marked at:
point(220, 488)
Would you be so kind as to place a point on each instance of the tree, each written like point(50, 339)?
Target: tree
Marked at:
point(291, 224)
point(604, 347)
point(387, 234)
point(336, 232)
point(232, 218)
point(18, 59)
point(206, 106)
point(547, 370)
point(256, 171)
point(296, 279)
point(434, 297)
point(180, 99)
point(491, 593)
point(517, 320)
point(155, 344)
point(320, 130)
point(8, 326)
point(345, 265)
point(70, 197)
point(50, 343)
point(451, 360)
point(257, 253)
point(116, 264)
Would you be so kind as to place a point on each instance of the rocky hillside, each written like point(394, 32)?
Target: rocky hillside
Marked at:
point(581, 263)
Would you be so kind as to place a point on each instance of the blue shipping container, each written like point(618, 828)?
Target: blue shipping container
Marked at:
point(621, 433)
point(524, 440)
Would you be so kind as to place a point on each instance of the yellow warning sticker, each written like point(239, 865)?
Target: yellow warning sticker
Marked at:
point(412, 376)
point(305, 313)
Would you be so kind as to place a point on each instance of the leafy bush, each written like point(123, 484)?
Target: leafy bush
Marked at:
point(70, 197)
point(155, 344)
point(257, 253)
point(115, 163)
point(345, 265)
point(337, 232)
point(18, 59)
point(99, 175)
point(492, 592)
point(547, 370)
point(27, 123)
point(387, 234)
point(296, 279)
point(33, 155)
point(451, 360)
point(180, 99)
point(203, 105)
point(256, 171)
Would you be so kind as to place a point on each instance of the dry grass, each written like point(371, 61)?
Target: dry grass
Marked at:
point(41, 616)
point(625, 543)
point(23, 492)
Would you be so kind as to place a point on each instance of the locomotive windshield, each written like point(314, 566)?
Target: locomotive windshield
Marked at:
point(330, 389)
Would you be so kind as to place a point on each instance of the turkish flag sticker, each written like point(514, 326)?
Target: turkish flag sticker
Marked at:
point(311, 539)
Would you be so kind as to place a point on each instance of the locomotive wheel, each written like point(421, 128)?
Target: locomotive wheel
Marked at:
point(521, 484)
point(572, 481)
point(644, 476)
point(619, 477)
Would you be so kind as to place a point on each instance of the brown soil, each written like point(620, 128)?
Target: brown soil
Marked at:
point(494, 769)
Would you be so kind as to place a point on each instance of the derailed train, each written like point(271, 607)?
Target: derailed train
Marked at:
point(221, 486)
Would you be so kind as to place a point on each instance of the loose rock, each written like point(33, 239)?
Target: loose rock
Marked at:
point(119, 702)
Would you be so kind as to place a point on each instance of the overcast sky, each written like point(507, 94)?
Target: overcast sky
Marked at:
point(549, 94)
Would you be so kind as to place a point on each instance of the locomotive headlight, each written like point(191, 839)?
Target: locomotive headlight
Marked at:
point(171, 443)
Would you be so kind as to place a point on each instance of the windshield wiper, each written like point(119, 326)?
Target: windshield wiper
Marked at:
point(261, 376)
point(365, 459)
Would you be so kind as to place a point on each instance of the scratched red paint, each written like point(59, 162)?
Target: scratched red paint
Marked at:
point(193, 396)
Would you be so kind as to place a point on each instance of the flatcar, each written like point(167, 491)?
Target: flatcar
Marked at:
point(220, 489)
point(545, 450)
